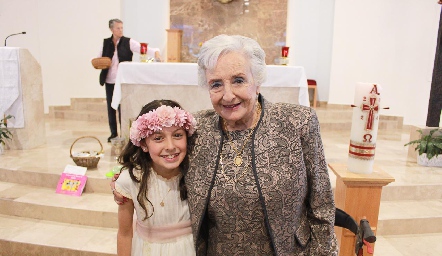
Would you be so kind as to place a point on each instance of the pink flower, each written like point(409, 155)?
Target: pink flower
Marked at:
point(155, 120)
point(166, 115)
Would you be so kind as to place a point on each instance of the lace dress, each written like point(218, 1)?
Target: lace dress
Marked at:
point(167, 231)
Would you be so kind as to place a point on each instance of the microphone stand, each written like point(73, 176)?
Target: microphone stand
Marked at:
point(14, 35)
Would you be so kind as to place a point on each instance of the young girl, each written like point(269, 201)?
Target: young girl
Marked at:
point(152, 182)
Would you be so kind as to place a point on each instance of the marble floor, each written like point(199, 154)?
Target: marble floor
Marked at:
point(28, 177)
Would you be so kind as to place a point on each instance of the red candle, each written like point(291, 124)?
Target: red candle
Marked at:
point(143, 48)
point(285, 51)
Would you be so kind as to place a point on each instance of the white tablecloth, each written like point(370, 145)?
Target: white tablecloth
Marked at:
point(11, 102)
point(187, 74)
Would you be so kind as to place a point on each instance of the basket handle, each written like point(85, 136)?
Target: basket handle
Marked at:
point(101, 145)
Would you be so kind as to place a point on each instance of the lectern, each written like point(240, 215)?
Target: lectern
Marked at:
point(28, 106)
point(360, 196)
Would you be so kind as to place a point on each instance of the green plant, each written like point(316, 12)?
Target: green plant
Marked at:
point(4, 132)
point(428, 144)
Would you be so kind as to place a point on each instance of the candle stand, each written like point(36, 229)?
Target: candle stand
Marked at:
point(359, 195)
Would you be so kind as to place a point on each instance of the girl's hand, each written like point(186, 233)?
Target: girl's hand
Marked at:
point(118, 198)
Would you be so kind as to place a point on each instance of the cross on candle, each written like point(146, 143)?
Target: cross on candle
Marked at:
point(372, 108)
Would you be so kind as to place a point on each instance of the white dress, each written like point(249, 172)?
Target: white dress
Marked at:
point(174, 212)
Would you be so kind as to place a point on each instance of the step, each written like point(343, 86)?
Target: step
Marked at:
point(328, 106)
point(97, 181)
point(411, 192)
point(410, 217)
point(336, 119)
point(333, 115)
point(72, 114)
point(390, 122)
point(334, 126)
point(101, 210)
point(90, 106)
point(409, 245)
point(87, 105)
point(37, 221)
point(48, 180)
point(90, 209)
point(97, 100)
point(422, 221)
point(26, 236)
point(53, 109)
point(89, 109)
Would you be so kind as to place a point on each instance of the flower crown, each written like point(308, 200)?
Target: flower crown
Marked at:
point(155, 120)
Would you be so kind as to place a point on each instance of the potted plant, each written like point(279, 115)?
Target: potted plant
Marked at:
point(429, 147)
point(4, 132)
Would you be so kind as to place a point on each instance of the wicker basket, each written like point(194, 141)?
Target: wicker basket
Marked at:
point(101, 63)
point(87, 161)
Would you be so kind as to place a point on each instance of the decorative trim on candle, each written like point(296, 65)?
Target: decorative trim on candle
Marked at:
point(363, 151)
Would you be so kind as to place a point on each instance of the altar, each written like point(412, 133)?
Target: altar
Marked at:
point(21, 96)
point(139, 83)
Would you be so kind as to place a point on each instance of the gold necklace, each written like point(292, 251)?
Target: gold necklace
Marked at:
point(162, 200)
point(238, 158)
point(234, 178)
point(158, 187)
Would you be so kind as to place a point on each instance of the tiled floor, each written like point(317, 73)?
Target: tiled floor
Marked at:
point(416, 193)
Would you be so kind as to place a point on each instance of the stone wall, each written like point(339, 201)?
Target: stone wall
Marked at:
point(262, 20)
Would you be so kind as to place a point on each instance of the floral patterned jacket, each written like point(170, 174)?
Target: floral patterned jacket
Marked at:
point(291, 176)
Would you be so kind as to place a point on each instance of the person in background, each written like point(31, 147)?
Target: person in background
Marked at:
point(118, 48)
point(152, 184)
point(258, 181)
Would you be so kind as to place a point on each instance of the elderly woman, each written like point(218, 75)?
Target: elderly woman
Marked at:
point(258, 182)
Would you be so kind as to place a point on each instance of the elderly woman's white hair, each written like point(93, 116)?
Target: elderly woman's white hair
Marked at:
point(223, 44)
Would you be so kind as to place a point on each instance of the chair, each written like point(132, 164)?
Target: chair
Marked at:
point(312, 85)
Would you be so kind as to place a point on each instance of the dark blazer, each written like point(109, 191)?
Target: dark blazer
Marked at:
point(286, 146)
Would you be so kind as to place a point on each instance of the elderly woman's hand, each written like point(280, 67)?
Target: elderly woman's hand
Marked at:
point(118, 198)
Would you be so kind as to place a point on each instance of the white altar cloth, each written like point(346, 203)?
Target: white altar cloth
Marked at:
point(11, 102)
point(160, 73)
